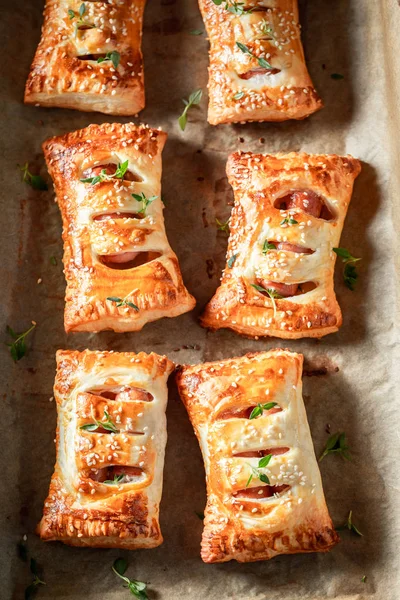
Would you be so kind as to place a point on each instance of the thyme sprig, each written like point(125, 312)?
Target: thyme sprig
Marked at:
point(236, 8)
point(117, 479)
point(261, 61)
point(336, 444)
point(136, 588)
point(107, 424)
point(35, 181)
point(103, 176)
point(350, 525)
point(273, 295)
point(18, 346)
point(144, 200)
point(255, 471)
point(32, 589)
point(224, 227)
point(350, 274)
point(193, 100)
point(114, 56)
point(259, 409)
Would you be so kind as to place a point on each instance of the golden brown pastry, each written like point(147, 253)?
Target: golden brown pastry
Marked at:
point(264, 490)
point(89, 57)
point(257, 69)
point(288, 216)
point(111, 436)
point(121, 272)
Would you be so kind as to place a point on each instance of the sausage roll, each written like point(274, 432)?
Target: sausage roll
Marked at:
point(111, 436)
point(89, 57)
point(120, 269)
point(288, 216)
point(264, 490)
point(257, 68)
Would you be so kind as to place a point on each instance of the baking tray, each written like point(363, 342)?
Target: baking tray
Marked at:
point(356, 370)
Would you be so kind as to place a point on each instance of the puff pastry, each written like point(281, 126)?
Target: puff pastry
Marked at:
point(120, 269)
point(264, 490)
point(288, 215)
point(89, 57)
point(111, 436)
point(257, 68)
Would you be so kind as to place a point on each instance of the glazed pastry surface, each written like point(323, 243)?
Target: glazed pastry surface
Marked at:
point(115, 245)
point(257, 68)
point(256, 513)
point(89, 57)
point(288, 216)
point(111, 436)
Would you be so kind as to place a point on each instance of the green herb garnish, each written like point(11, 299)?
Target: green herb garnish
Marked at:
point(261, 61)
point(238, 95)
point(194, 99)
point(114, 56)
point(35, 181)
point(119, 174)
point(337, 76)
point(18, 346)
point(232, 260)
point(80, 22)
point(53, 260)
point(236, 8)
point(107, 424)
point(289, 221)
point(364, 579)
point(350, 274)
point(117, 479)
point(31, 590)
point(136, 588)
point(145, 201)
point(199, 514)
point(222, 226)
point(123, 302)
point(267, 246)
point(259, 409)
point(255, 471)
point(196, 32)
point(273, 295)
point(350, 525)
point(336, 444)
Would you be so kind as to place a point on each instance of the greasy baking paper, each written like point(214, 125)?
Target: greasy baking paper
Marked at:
point(356, 390)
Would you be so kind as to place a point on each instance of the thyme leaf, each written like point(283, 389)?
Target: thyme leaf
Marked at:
point(114, 56)
point(261, 61)
point(193, 100)
point(350, 274)
point(336, 444)
point(136, 588)
point(222, 226)
point(259, 409)
point(18, 346)
point(106, 424)
point(144, 200)
point(232, 260)
point(35, 181)
point(255, 471)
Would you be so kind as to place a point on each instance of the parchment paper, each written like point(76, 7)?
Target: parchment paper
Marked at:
point(359, 392)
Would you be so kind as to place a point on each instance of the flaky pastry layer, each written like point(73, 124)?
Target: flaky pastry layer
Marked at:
point(269, 246)
point(106, 224)
point(107, 483)
point(257, 68)
point(256, 513)
point(89, 58)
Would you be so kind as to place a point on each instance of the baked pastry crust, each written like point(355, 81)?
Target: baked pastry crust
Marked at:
point(244, 522)
point(92, 238)
point(59, 76)
point(79, 510)
point(259, 182)
point(240, 86)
